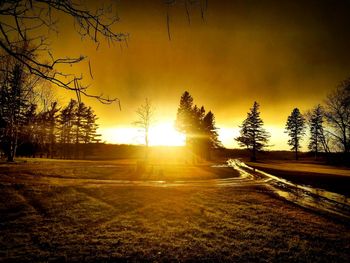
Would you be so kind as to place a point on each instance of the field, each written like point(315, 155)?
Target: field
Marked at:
point(108, 211)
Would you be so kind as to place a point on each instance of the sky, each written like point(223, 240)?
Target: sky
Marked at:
point(282, 54)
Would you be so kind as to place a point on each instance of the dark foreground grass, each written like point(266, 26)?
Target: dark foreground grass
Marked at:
point(60, 221)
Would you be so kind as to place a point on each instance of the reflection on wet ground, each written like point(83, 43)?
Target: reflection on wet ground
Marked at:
point(249, 178)
point(306, 196)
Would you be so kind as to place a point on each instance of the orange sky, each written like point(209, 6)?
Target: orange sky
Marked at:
point(283, 55)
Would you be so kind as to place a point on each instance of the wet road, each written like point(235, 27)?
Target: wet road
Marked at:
point(306, 196)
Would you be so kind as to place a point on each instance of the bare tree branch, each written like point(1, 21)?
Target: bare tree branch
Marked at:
point(21, 20)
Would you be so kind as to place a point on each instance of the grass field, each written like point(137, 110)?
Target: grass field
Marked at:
point(73, 211)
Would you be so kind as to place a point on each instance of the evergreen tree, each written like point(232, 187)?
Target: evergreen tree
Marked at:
point(67, 121)
point(252, 134)
point(13, 106)
point(197, 130)
point(210, 139)
point(295, 127)
point(16, 91)
point(51, 117)
point(184, 116)
point(80, 122)
point(90, 127)
point(317, 138)
point(28, 136)
point(199, 127)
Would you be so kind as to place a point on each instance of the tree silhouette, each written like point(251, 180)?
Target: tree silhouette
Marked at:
point(28, 134)
point(197, 133)
point(51, 120)
point(90, 127)
point(66, 120)
point(145, 118)
point(317, 136)
point(15, 91)
point(184, 117)
point(23, 21)
point(198, 126)
point(337, 112)
point(295, 127)
point(211, 137)
point(77, 125)
point(252, 134)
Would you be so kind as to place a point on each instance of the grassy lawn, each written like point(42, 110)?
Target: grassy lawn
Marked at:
point(62, 211)
point(322, 176)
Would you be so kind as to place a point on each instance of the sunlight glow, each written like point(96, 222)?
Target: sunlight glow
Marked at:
point(162, 133)
point(165, 134)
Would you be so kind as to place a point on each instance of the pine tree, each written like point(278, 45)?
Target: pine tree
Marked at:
point(13, 107)
point(28, 135)
point(184, 116)
point(199, 127)
point(67, 121)
point(90, 127)
point(317, 138)
point(295, 127)
point(252, 134)
point(80, 122)
point(211, 137)
point(51, 123)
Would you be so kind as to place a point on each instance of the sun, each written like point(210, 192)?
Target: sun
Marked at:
point(160, 134)
point(165, 134)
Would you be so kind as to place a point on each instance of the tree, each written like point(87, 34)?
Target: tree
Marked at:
point(295, 127)
point(51, 120)
point(28, 134)
point(80, 112)
point(67, 120)
point(184, 117)
point(197, 134)
point(26, 20)
point(211, 137)
point(337, 112)
point(14, 92)
point(317, 136)
point(252, 134)
point(198, 126)
point(90, 127)
point(145, 118)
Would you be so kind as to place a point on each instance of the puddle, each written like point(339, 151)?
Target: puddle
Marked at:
point(220, 166)
point(106, 166)
point(302, 195)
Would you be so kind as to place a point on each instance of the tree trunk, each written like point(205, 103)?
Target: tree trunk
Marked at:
point(12, 151)
point(253, 158)
point(10, 158)
point(316, 146)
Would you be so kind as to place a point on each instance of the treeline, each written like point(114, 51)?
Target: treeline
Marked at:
point(32, 124)
point(198, 127)
point(328, 127)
